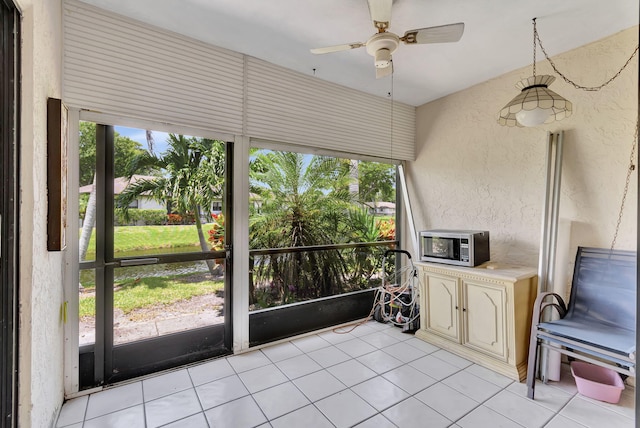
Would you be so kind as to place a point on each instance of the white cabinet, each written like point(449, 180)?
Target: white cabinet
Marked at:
point(482, 314)
point(485, 321)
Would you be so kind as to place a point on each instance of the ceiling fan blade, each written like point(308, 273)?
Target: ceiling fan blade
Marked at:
point(380, 11)
point(384, 72)
point(440, 34)
point(337, 48)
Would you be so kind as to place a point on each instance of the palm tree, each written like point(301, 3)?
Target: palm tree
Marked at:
point(124, 150)
point(302, 200)
point(88, 222)
point(191, 177)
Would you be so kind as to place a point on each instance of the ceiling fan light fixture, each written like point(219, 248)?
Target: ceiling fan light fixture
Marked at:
point(384, 43)
point(535, 104)
point(382, 58)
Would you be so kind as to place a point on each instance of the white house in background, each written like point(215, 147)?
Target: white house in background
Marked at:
point(382, 208)
point(143, 202)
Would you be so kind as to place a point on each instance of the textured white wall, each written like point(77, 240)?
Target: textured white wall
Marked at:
point(471, 173)
point(41, 293)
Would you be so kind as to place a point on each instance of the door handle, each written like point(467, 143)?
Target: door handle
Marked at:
point(139, 262)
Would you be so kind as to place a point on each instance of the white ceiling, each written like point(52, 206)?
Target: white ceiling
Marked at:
point(497, 37)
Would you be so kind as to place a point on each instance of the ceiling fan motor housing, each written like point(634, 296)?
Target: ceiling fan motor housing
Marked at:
point(381, 46)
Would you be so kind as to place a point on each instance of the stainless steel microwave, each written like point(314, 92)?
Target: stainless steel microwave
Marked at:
point(455, 247)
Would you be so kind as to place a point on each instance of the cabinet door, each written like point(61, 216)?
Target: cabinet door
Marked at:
point(484, 319)
point(442, 305)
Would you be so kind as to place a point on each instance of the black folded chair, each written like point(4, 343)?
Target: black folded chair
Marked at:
point(599, 325)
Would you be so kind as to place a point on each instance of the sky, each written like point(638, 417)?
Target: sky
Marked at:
point(160, 140)
point(139, 135)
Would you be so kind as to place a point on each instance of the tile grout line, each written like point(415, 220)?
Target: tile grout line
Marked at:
point(86, 409)
point(312, 403)
point(144, 405)
point(573, 397)
point(195, 391)
point(251, 393)
point(441, 382)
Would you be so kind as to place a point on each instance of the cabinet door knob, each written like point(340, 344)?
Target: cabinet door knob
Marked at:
point(464, 309)
point(456, 308)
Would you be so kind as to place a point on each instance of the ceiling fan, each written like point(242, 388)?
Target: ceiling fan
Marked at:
point(384, 43)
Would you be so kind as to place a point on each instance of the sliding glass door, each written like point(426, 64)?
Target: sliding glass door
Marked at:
point(155, 251)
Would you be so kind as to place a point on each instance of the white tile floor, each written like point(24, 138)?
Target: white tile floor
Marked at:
point(375, 376)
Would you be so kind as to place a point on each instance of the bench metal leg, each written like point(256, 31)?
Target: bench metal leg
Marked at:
point(533, 347)
point(531, 365)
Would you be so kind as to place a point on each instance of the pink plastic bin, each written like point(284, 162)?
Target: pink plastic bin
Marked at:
point(599, 383)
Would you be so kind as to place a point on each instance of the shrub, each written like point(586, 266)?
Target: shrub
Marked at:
point(140, 216)
point(387, 230)
point(216, 233)
point(174, 219)
point(184, 218)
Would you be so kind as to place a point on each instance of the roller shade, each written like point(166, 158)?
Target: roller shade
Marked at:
point(283, 105)
point(116, 65)
point(119, 66)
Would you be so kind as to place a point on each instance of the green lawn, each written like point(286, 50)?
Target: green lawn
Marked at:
point(139, 238)
point(148, 291)
point(143, 292)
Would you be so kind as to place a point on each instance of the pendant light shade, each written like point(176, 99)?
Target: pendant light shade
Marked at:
point(535, 104)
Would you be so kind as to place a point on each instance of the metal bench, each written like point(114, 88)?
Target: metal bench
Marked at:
point(599, 325)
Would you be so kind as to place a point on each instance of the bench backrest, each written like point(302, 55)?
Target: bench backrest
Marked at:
point(604, 287)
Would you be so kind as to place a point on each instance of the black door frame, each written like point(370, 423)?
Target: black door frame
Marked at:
point(9, 210)
point(104, 363)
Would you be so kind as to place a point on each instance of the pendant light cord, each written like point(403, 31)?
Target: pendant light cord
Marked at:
point(630, 170)
point(632, 156)
point(536, 37)
point(535, 48)
point(391, 122)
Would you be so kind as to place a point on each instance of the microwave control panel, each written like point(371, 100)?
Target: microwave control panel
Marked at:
point(464, 250)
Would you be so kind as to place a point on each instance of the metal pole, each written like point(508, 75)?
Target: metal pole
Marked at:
point(549, 232)
point(544, 242)
point(407, 204)
point(555, 210)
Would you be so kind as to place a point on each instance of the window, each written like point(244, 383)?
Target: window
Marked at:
point(319, 225)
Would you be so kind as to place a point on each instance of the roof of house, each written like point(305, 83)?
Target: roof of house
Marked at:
point(382, 204)
point(119, 183)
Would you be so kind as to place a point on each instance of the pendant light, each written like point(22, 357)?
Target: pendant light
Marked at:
point(536, 103)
